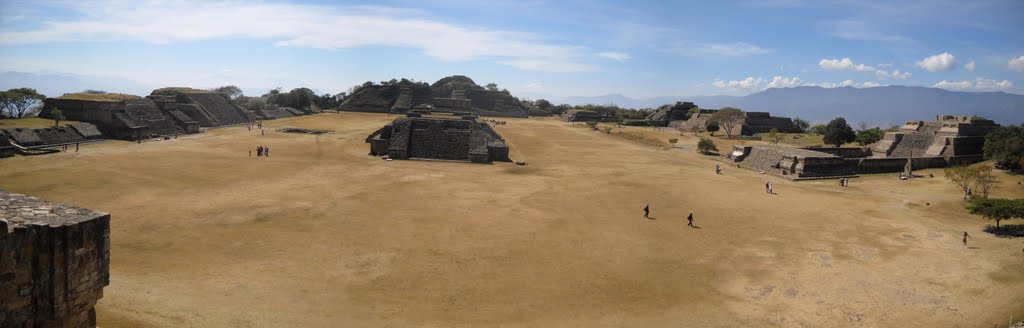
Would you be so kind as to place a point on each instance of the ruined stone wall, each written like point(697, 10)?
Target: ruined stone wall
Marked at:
point(756, 122)
point(6, 150)
point(847, 152)
point(54, 263)
point(440, 139)
point(95, 112)
point(893, 165)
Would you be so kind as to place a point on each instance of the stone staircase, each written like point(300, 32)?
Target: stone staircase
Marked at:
point(145, 112)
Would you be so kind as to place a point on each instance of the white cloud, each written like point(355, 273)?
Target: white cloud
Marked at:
point(845, 64)
point(1016, 64)
point(963, 85)
point(783, 82)
point(869, 84)
point(750, 83)
point(616, 56)
point(895, 74)
point(535, 85)
point(314, 26)
point(847, 83)
point(547, 66)
point(990, 84)
point(969, 66)
point(731, 49)
point(938, 63)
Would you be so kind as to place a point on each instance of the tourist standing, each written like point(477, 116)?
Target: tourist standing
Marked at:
point(266, 151)
point(768, 187)
point(76, 147)
point(647, 211)
point(718, 169)
point(259, 151)
point(770, 190)
point(965, 238)
point(690, 219)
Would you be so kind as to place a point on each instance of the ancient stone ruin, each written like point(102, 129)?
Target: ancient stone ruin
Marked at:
point(54, 262)
point(581, 115)
point(208, 108)
point(949, 140)
point(451, 94)
point(667, 114)
point(439, 138)
point(6, 148)
point(122, 116)
point(21, 139)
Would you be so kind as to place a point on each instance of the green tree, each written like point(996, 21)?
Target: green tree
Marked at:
point(868, 136)
point(818, 129)
point(712, 127)
point(727, 118)
point(997, 209)
point(20, 102)
point(231, 91)
point(962, 176)
point(56, 115)
point(491, 87)
point(673, 141)
point(706, 146)
point(837, 132)
point(592, 125)
point(774, 136)
point(1005, 145)
point(801, 124)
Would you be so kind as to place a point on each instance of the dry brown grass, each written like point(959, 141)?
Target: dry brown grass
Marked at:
point(32, 122)
point(323, 235)
point(109, 97)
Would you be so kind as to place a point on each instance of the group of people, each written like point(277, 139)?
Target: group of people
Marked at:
point(647, 215)
point(496, 122)
point(844, 182)
point(261, 151)
point(256, 124)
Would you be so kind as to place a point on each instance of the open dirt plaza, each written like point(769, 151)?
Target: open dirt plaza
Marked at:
point(321, 234)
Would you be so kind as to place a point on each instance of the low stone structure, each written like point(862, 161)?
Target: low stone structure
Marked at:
point(450, 95)
point(48, 137)
point(6, 149)
point(54, 262)
point(791, 162)
point(581, 115)
point(439, 138)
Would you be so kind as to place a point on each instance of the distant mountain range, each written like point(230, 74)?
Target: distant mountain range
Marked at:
point(882, 106)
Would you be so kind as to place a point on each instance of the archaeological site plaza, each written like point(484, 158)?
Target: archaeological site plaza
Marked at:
point(451, 204)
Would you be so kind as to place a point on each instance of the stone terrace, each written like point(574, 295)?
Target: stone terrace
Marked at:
point(54, 262)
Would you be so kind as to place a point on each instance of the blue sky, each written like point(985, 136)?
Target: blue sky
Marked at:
point(566, 48)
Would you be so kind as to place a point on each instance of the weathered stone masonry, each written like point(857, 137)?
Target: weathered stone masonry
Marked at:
point(54, 262)
point(438, 138)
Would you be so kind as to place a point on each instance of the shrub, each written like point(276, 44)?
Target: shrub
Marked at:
point(706, 146)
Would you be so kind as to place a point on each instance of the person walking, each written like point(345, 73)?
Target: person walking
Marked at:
point(690, 219)
point(250, 152)
point(770, 188)
point(76, 147)
point(266, 151)
point(647, 211)
point(767, 185)
point(965, 238)
point(259, 151)
point(718, 169)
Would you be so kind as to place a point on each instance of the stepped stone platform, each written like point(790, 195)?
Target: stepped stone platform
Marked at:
point(51, 136)
point(450, 95)
point(6, 149)
point(210, 109)
point(666, 114)
point(439, 138)
point(121, 116)
point(54, 262)
point(948, 136)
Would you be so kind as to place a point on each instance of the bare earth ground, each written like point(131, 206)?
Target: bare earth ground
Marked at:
point(323, 235)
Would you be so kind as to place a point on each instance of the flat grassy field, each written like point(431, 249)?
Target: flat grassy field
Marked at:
point(323, 235)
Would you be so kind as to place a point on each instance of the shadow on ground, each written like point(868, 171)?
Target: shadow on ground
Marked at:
point(1006, 230)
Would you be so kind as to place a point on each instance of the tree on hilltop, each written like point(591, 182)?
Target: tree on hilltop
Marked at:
point(837, 132)
point(20, 102)
point(1005, 145)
